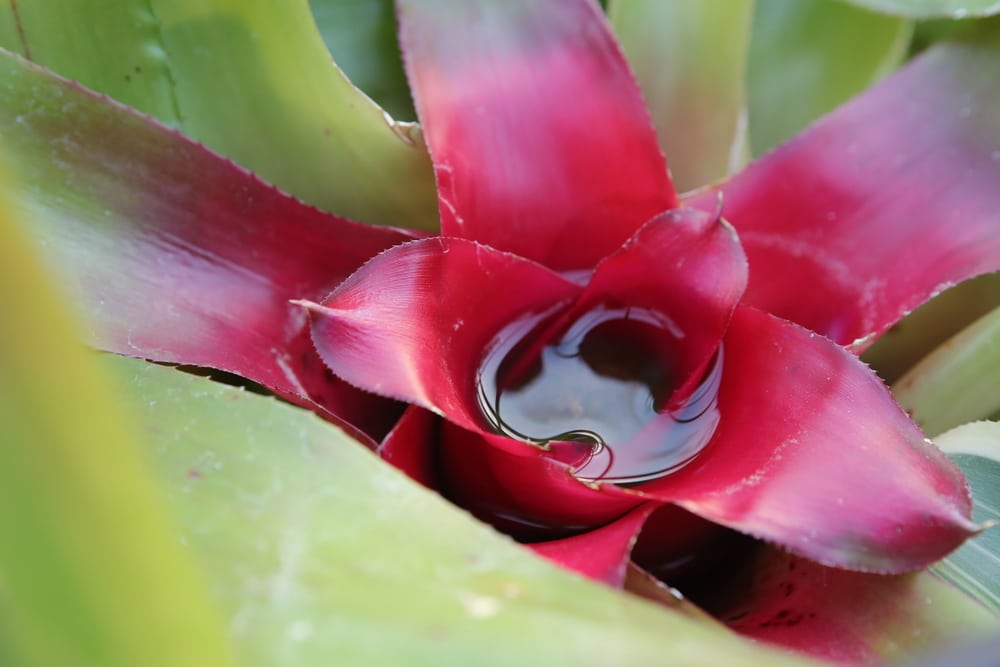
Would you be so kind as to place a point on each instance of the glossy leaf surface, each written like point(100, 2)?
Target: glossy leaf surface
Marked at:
point(690, 61)
point(91, 571)
point(411, 325)
point(176, 254)
point(975, 568)
point(793, 461)
point(809, 56)
point(564, 189)
point(251, 79)
point(956, 383)
point(301, 531)
point(864, 178)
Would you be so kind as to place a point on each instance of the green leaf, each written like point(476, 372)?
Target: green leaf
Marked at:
point(361, 36)
point(975, 568)
point(957, 382)
point(319, 551)
point(251, 79)
point(930, 325)
point(690, 61)
point(809, 56)
point(923, 9)
point(91, 572)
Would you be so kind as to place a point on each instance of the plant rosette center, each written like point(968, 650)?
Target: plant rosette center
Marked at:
point(603, 384)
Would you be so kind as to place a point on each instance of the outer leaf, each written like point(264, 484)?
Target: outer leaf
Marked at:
point(177, 254)
point(957, 383)
point(809, 56)
point(975, 568)
point(541, 143)
point(800, 458)
point(250, 78)
point(361, 36)
point(91, 573)
point(319, 553)
point(907, 172)
point(690, 61)
point(923, 9)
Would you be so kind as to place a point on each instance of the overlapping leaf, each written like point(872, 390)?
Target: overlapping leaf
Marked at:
point(91, 572)
point(250, 78)
point(320, 552)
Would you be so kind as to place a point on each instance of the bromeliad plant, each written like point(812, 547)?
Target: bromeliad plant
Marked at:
point(626, 378)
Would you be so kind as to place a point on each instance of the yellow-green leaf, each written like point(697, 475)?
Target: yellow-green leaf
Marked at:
point(91, 570)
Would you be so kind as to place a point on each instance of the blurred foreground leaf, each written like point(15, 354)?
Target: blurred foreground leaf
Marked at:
point(319, 552)
point(91, 572)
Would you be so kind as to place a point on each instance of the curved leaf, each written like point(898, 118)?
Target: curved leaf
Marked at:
point(410, 324)
point(690, 61)
point(361, 36)
point(541, 143)
point(809, 56)
point(175, 253)
point(811, 453)
point(930, 325)
point(906, 172)
point(957, 382)
point(91, 572)
point(249, 78)
point(320, 552)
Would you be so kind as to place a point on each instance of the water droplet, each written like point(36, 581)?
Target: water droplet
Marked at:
point(597, 391)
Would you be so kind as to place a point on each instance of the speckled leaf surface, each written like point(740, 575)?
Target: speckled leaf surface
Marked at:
point(319, 551)
point(253, 80)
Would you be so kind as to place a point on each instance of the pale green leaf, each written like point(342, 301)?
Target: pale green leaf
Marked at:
point(91, 572)
point(957, 382)
point(251, 79)
point(690, 61)
point(809, 56)
point(975, 568)
point(323, 554)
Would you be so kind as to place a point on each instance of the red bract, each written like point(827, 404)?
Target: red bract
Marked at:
point(592, 363)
